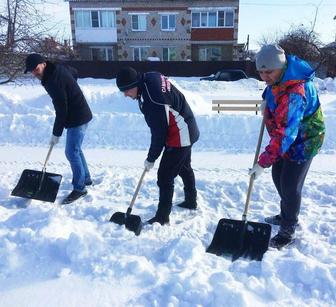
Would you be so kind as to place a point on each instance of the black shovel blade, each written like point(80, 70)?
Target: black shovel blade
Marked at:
point(227, 237)
point(256, 240)
point(240, 239)
point(118, 218)
point(38, 185)
point(131, 222)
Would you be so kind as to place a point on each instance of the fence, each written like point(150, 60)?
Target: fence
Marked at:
point(108, 70)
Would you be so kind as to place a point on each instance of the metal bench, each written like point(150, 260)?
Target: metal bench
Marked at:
point(236, 105)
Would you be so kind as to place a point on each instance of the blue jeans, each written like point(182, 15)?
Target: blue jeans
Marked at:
point(74, 154)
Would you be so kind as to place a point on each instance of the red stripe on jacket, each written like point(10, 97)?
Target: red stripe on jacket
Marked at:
point(173, 137)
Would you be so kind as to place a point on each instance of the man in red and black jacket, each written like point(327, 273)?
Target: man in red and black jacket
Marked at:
point(173, 128)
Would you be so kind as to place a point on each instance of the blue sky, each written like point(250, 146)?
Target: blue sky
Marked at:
point(258, 18)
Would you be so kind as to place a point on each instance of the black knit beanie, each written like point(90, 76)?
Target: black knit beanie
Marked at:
point(127, 78)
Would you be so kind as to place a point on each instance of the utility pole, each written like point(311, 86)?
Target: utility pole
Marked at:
point(335, 31)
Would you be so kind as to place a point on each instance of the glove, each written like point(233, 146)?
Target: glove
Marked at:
point(148, 165)
point(54, 140)
point(256, 170)
point(262, 107)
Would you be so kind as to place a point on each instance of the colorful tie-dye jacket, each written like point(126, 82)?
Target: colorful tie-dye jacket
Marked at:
point(293, 116)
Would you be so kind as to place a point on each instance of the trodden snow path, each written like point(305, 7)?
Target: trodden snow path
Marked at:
point(53, 255)
point(71, 255)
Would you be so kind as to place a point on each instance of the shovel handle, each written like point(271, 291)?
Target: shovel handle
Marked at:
point(47, 158)
point(252, 177)
point(136, 192)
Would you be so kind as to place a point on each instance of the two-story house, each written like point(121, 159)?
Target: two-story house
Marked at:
point(168, 30)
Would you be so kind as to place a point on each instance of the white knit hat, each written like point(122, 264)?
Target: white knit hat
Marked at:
point(270, 57)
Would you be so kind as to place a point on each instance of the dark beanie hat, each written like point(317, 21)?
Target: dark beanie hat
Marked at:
point(32, 61)
point(127, 78)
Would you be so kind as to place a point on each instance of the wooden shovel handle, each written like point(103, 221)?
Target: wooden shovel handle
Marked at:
point(261, 133)
point(136, 191)
point(47, 158)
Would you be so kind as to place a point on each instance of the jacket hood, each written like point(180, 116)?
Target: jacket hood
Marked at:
point(297, 69)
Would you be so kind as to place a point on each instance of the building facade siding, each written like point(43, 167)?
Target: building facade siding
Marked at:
point(157, 30)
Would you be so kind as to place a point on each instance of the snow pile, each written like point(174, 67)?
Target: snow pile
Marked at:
point(118, 123)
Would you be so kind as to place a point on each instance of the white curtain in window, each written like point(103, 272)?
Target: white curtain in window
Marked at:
point(212, 19)
point(144, 53)
point(172, 22)
point(82, 19)
point(142, 22)
point(229, 19)
point(107, 19)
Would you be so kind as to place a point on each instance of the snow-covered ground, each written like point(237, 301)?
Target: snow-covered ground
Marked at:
point(53, 255)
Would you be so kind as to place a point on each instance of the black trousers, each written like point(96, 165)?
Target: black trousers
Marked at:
point(289, 177)
point(174, 162)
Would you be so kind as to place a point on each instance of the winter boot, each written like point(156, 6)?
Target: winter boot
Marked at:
point(285, 237)
point(275, 220)
point(188, 205)
point(162, 214)
point(163, 220)
point(190, 200)
point(163, 211)
point(74, 195)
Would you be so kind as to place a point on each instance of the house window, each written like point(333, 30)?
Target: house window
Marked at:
point(196, 20)
point(204, 19)
point(169, 54)
point(209, 54)
point(139, 22)
point(101, 54)
point(140, 53)
point(168, 22)
point(82, 19)
point(107, 19)
point(213, 19)
point(221, 17)
point(94, 19)
point(229, 19)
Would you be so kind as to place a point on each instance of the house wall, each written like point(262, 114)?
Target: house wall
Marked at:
point(154, 38)
point(185, 40)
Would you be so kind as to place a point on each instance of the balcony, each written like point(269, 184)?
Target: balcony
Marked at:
point(96, 35)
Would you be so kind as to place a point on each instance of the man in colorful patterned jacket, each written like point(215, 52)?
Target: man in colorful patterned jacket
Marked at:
point(173, 128)
point(295, 125)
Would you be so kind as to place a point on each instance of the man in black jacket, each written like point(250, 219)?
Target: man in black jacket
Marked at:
point(173, 127)
point(72, 113)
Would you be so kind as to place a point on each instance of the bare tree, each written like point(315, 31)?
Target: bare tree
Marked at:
point(22, 29)
point(303, 43)
point(329, 54)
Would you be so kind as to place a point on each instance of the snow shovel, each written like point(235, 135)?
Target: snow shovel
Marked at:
point(38, 185)
point(246, 239)
point(132, 222)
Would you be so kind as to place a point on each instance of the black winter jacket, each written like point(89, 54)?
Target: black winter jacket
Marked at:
point(167, 113)
point(69, 102)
